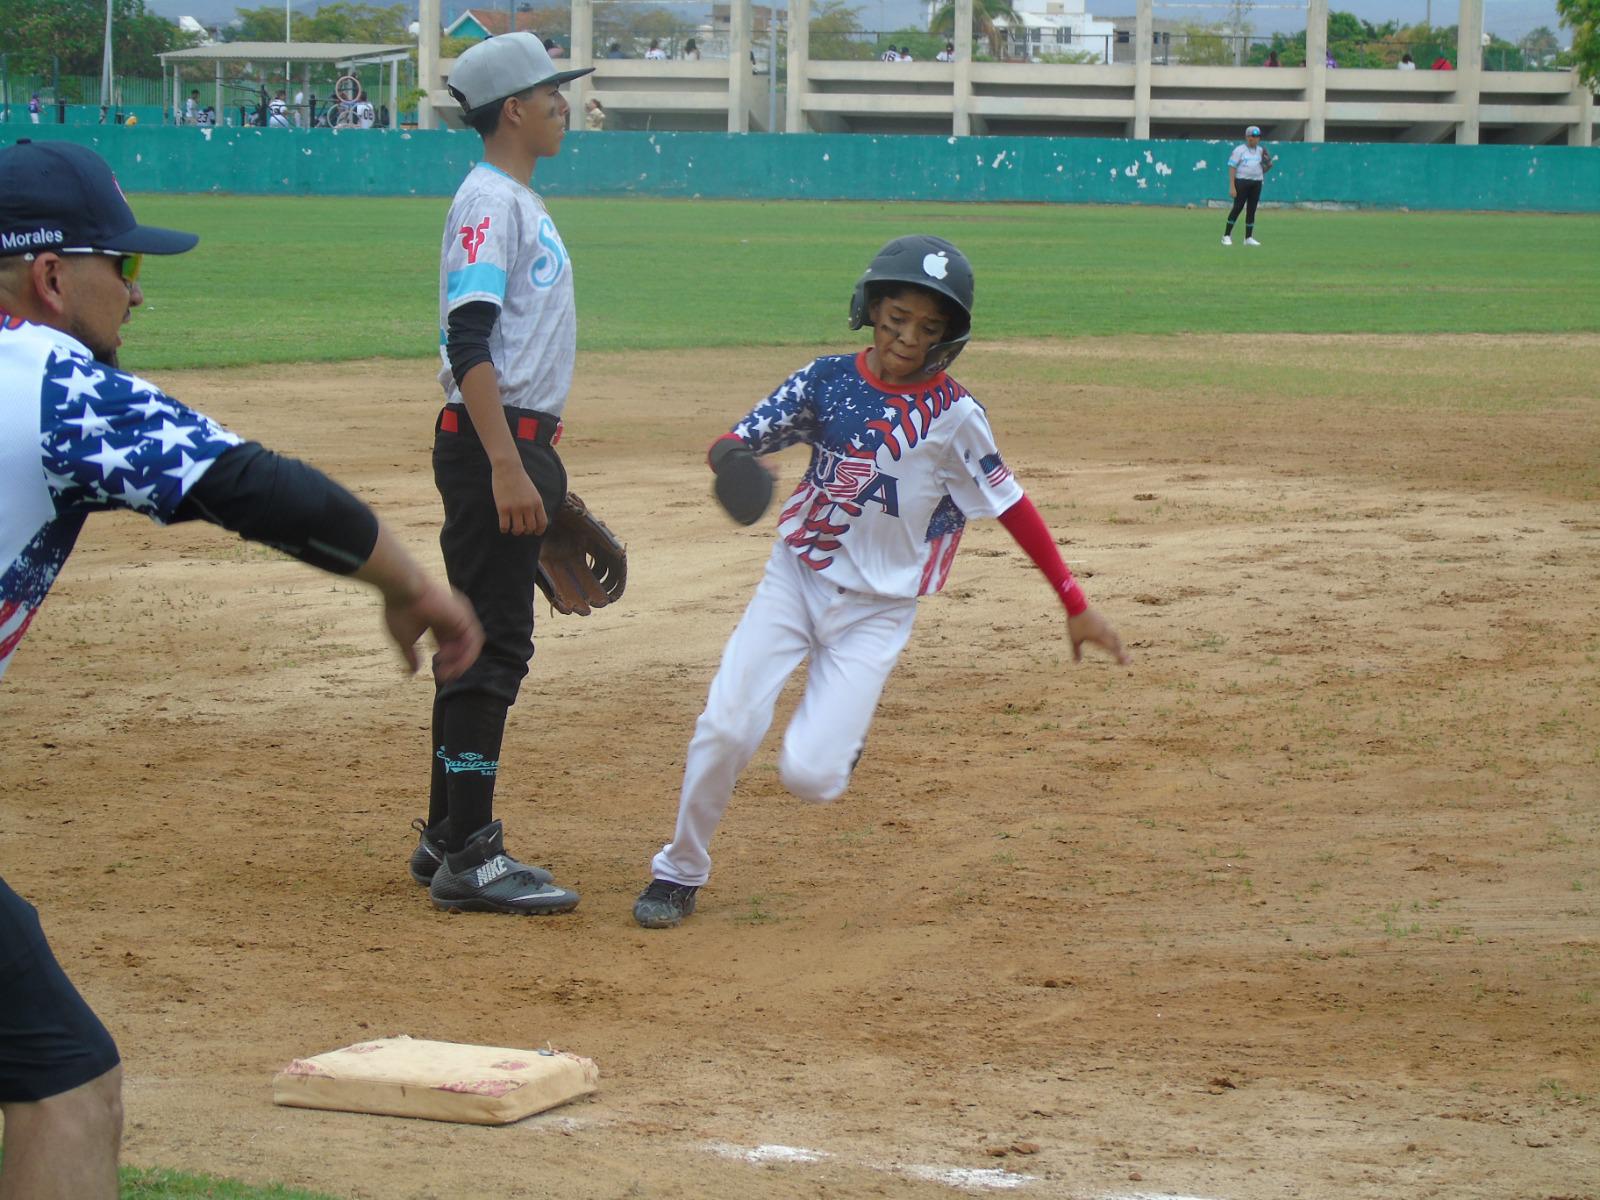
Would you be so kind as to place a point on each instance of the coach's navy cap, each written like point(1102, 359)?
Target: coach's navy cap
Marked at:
point(502, 66)
point(58, 195)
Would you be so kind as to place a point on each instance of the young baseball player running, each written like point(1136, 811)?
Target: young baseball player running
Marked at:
point(508, 337)
point(901, 457)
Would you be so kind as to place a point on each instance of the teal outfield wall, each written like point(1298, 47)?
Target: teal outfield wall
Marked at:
point(846, 167)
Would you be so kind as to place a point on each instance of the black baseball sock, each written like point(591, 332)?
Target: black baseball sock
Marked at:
point(438, 798)
point(473, 726)
point(1250, 230)
point(1228, 232)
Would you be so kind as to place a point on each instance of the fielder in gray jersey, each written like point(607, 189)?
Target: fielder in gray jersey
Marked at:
point(502, 248)
point(508, 336)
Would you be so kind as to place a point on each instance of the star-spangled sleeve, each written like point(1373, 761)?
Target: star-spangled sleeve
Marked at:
point(110, 440)
point(783, 418)
point(974, 474)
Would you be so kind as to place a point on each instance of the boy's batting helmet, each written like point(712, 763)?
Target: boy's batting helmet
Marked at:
point(926, 262)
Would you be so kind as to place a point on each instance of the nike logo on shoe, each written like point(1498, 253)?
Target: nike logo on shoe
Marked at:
point(492, 870)
point(543, 893)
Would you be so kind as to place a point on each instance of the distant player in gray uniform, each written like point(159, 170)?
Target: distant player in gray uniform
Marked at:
point(1247, 168)
point(508, 337)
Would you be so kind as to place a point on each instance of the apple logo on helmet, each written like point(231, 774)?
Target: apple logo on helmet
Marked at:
point(935, 265)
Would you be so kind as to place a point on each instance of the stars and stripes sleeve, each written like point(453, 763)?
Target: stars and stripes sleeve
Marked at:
point(110, 440)
point(977, 478)
point(783, 418)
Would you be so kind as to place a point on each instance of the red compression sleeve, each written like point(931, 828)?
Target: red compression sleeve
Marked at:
point(1023, 522)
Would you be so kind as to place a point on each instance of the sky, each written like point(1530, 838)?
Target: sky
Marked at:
point(1510, 19)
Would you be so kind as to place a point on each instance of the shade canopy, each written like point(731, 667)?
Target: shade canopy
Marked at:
point(301, 52)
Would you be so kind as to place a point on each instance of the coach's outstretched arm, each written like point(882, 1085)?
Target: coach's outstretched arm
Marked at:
point(293, 507)
point(413, 603)
point(1084, 624)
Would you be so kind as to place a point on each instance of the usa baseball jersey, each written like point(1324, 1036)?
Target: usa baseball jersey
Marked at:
point(894, 473)
point(500, 245)
point(1246, 163)
point(76, 437)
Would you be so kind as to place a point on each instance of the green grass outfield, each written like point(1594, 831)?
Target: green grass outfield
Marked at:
point(158, 1184)
point(305, 279)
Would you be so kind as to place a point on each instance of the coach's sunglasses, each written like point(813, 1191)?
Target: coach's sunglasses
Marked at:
point(128, 264)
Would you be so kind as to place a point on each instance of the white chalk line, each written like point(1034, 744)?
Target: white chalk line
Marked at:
point(968, 1178)
point(965, 1178)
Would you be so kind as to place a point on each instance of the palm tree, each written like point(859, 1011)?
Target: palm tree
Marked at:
point(984, 14)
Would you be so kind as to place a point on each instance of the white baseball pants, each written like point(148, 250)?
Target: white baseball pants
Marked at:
point(853, 640)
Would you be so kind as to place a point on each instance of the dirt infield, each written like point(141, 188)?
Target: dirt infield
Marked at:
point(1304, 904)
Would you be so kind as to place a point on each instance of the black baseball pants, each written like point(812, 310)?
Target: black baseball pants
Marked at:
point(1247, 194)
point(496, 572)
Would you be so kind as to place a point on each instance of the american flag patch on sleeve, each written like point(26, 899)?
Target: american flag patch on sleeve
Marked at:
point(994, 471)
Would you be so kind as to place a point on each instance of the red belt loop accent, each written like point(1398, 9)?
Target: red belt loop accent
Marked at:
point(527, 429)
point(449, 422)
point(560, 425)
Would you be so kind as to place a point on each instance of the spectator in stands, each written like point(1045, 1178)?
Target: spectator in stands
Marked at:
point(1272, 59)
point(553, 48)
point(191, 108)
point(277, 112)
point(905, 54)
point(1405, 63)
point(890, 55)
point(365, 117)
point(1329, 60)
point(33, 108)
point(655, 53)
point(1443, 64)
point(948, 54)
point(691, 50)
point(615, 51)
point(594, 115)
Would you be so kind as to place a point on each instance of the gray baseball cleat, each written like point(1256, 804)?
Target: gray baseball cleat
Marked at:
point(425, 859)
point(483, 878)
point(664, 904)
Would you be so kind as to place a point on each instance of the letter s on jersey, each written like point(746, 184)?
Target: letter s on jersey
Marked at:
point(552, 258)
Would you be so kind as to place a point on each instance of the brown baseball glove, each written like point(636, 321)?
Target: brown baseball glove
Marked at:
point(582, 566)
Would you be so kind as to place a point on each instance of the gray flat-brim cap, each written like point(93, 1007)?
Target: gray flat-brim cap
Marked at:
point(502, 66)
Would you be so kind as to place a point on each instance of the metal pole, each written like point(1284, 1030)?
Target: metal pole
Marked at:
point(105, 64)
point(772, 71)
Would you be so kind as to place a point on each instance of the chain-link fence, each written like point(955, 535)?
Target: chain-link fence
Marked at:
point(1191, 47)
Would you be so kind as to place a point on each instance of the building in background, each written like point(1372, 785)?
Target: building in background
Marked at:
point(480, 23)
point(1057, 30)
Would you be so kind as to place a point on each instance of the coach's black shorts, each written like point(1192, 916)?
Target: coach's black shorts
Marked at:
point(50, 1041)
